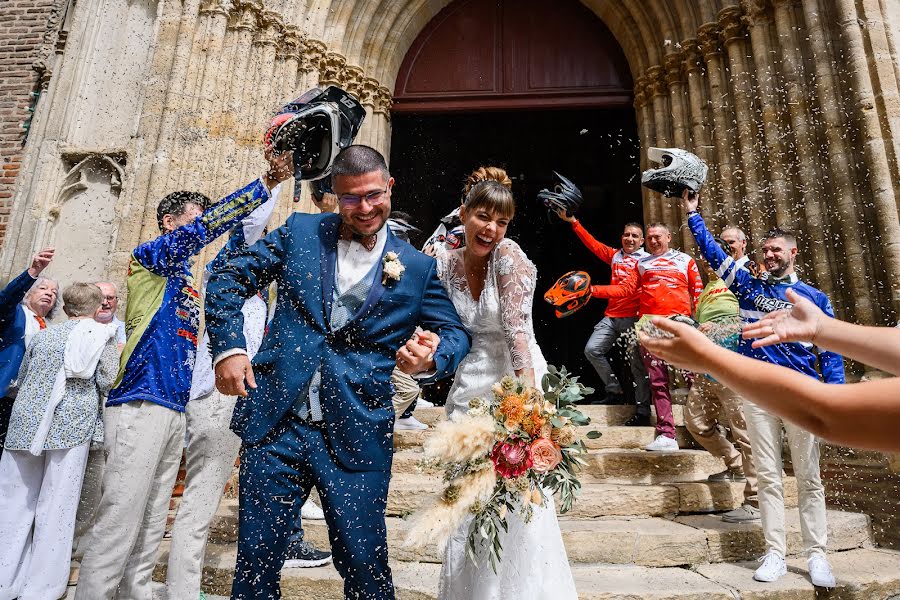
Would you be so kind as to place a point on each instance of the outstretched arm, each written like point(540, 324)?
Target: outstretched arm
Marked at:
point(864, 415)
point(627, 288)
point(878, 347)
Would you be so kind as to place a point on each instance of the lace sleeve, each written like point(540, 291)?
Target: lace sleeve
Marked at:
point(516, 279)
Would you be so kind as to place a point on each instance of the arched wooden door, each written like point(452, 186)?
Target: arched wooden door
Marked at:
point(532, 86)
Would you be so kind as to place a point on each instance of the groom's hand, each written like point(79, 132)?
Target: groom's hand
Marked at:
point(417, 355)
point(231, 373)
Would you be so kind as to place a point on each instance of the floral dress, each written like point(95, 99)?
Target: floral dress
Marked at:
point(533, 565)
point(78, 418)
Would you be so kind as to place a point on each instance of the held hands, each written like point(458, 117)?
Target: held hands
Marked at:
point(417, 355)
point(281, 167)
point(798, 324)
point(689, 202)
point(231, 373)
point(40, 261)
point(687, 348)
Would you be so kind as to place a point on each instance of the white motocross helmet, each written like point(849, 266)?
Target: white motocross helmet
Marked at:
point(680, 170)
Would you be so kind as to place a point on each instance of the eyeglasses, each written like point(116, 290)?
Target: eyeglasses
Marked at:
point(372, 198)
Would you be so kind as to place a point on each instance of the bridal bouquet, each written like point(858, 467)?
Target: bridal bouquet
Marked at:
point(505, 455)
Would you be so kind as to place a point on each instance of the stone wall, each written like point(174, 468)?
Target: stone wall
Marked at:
point(867, 482)
point(24, 26)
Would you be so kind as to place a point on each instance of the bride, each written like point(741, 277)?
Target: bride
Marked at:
point(491, 283)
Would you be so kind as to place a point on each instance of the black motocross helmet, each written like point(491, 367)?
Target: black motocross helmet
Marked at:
point(565, 195)
point(316, 126)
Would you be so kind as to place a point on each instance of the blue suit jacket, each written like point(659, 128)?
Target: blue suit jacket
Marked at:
point(355, 361)
point(12, 329)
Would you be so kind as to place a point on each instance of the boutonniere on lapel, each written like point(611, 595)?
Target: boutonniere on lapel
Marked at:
point(392, 268)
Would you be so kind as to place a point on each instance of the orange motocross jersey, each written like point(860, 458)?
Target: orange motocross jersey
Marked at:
point(621, 291)
point(670, 284)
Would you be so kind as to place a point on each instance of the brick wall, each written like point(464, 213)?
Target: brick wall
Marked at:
point(23, 25)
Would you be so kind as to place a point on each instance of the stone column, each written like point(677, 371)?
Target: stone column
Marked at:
point(815, 234)
point(178, 25)
point(884, 74)
point(662, 118)
point(755, 204)
point(709, 44)
point(760, 26)
point(843, 190)
point(681, 133)
point(646, 129)
point(876, 157)
point(381, 117)
point(701, 127)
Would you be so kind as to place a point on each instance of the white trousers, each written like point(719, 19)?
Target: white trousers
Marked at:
point(211, 451)
point(38, 500)
point(90, 499)
point(764, 429)
point(144, 442)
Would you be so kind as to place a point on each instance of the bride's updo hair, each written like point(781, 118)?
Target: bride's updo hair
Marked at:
point(489, 188)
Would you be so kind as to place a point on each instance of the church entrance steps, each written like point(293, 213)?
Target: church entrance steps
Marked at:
point(616, 436)
point(408, 492)
point(601, 415)
point(862, 574)
point(615, 465)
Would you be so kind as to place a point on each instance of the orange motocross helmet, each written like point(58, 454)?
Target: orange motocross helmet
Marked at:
point(569, 293)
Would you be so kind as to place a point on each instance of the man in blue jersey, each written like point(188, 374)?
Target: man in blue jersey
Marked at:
point(758, 296)
point(144, 418)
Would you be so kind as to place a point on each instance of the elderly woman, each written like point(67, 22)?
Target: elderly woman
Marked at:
point(55, 416)
point(24, 303)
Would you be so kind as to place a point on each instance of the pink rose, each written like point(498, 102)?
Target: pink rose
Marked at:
point(511, 459)
point(545, 455)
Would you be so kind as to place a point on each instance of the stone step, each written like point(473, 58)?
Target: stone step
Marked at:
point(615, 465)
point(862, 574)
point(612, 437)
point(601, 415)
point(597, 500)
point(651, 542)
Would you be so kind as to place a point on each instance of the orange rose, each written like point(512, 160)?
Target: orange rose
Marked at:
point(545, 455)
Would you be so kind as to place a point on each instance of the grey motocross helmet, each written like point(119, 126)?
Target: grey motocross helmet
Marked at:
point(316, 126)
point(680, 170)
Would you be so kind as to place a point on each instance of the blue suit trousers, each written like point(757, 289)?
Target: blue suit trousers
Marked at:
point(276, 477)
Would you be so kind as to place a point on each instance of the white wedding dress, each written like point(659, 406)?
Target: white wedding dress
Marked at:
point(533, 563)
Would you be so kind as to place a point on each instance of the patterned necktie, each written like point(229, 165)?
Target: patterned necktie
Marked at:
point(366, 241)
point(41, 322)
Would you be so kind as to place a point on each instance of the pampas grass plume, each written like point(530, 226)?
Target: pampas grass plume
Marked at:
point(438, 521)
point(461, 439)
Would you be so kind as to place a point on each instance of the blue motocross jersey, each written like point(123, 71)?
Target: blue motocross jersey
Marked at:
point(758, 296)
point(163, 312)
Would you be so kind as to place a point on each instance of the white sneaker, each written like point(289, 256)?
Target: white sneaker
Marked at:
point(423, 403)
point(409, 424)
point(773, 567)
point(662, 444)
point(311, 511)
point(820, 571)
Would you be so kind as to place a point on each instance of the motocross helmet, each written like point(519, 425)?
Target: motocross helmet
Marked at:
point(450, 233)
point(680, 170)
point(565, 196)
point(316, 126)
point(569, 293)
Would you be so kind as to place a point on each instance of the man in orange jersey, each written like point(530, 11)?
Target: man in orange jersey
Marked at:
point(670, 285)
point(621, 312)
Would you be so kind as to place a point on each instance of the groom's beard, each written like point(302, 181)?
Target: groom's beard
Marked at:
point(348, 232)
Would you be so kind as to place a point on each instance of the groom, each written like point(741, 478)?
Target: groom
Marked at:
point(319, 410)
